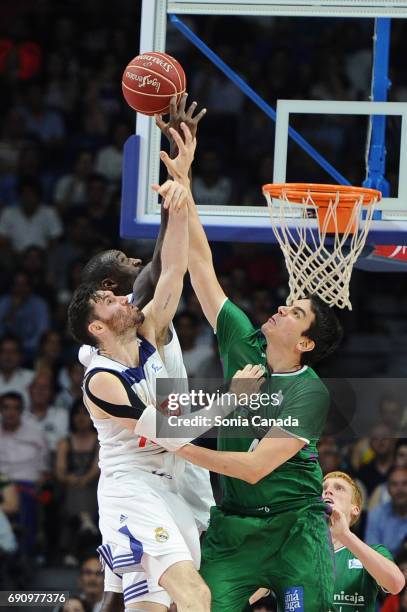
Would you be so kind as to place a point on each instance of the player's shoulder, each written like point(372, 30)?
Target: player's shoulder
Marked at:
point(308, 379)
point(231, 313)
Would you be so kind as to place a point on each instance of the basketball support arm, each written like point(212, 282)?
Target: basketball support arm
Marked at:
point(376, 155)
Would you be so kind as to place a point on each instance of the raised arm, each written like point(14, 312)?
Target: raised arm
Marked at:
point(200, 263)
point(384, 571)
point(146, 282)
point(174, 258)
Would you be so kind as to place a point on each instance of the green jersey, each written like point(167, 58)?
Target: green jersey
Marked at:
point(355, 589)
point(301, 411)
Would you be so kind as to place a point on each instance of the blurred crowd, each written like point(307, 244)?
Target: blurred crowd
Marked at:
point(63, 124)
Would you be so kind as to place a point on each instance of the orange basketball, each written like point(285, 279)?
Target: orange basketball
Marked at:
point(150, 80)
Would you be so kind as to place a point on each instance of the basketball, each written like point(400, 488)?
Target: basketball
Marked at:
point(150, 80)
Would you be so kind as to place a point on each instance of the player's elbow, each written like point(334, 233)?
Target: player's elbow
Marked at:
point(254, 474)
point(396, 583)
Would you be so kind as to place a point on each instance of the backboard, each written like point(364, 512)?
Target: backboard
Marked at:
point(237, 221)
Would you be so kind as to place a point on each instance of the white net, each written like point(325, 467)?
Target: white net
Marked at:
point(319, 260)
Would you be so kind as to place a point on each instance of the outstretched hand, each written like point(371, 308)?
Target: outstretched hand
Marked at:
point(339, 524)
point(178, 115)
point(179, 167)
point(175, 195)
point(247, 381)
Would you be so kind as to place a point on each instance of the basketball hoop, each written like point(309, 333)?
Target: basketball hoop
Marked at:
point(320, 260)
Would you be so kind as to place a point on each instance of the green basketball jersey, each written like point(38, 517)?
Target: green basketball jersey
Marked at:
point(301, 411)
point(355, 589)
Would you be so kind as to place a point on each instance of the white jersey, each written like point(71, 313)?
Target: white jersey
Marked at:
point(122, 451)
point(136, 453)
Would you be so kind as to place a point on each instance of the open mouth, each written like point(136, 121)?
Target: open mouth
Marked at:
point(328, 500)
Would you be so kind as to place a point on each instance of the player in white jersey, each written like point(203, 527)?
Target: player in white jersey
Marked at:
point(114, 270)
point(150, 537)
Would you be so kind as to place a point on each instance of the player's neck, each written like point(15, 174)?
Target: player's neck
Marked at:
point(123, 350)
point(336, 544)
point(279, 361)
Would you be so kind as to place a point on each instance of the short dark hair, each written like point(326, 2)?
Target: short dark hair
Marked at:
point(325, 331)
point(12, 395)
point(81, 313)
point(100, 266)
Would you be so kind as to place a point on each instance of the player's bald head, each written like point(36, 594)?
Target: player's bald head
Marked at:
point(111, 270)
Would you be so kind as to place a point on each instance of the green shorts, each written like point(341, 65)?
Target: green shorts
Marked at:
point(290, 553)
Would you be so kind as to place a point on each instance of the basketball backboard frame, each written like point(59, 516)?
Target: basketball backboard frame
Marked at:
point(140, 210)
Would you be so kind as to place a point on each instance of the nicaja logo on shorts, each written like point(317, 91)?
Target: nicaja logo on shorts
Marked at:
point(294, 599)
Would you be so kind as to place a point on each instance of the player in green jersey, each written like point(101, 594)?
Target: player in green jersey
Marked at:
point(360, 570)
point(271, 529)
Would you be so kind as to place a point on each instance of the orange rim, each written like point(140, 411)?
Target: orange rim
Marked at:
point(322, 195)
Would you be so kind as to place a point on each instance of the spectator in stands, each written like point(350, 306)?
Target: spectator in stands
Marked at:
point(79, 238)
point(23, 459)
point(75, 604)
point(377, 470)
point(33, 261)
point(381, 493)
point(73, 391)
point(329, 455)
point(11, 141)
point(187, 326)
point(52, 420)
point(391, 414)
point(24, 314)
point(401, 453)
point(109, 159)
point(9, 500)
point(49, 358)
point(30, 222)
point(70, 190)
point(387, 524)
point(100, 209)
point(42, 122)
point(12, 376)
point(91, 583)
point(77, 469)
point(210, 186)
point(61, 90)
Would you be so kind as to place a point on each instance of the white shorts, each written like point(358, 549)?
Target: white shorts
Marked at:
point(145, 530)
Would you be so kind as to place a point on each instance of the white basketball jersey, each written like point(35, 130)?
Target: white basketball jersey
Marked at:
point(122, 451)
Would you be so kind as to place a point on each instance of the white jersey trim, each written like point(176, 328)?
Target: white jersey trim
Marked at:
point(296, 373)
